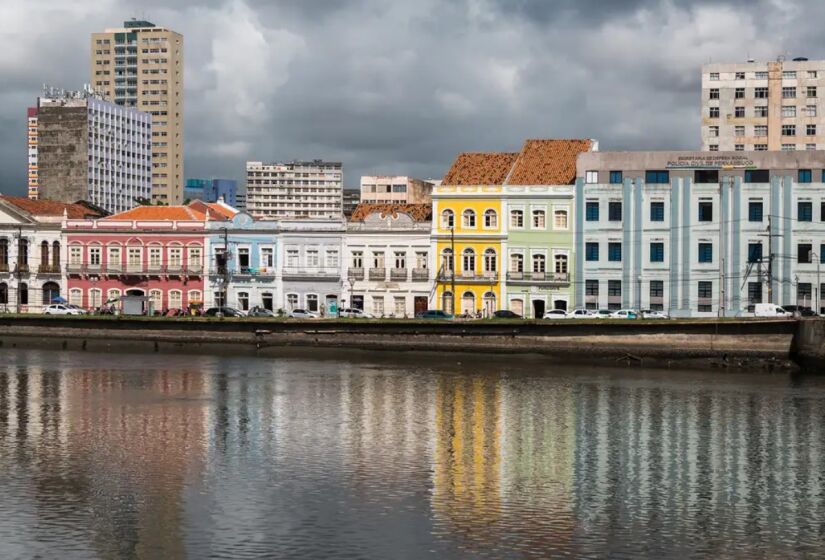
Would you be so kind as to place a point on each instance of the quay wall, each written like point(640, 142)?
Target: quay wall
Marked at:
point(767, 344)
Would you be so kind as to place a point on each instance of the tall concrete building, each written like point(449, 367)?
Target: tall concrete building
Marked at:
point(91, 149)
point(31, 141)
point(299, 189)
point(141, 65)
point(761, 106)
point(383, 189)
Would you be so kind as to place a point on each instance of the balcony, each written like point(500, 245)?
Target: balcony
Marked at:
point(48, 269)
point(469, 277)
point(21, 269)
point(155, 269)
point(174, 269)
point(194, 270)
point(420, 275)
point(355, 274)
point(378, 274)
point(310, 273)
point(4, 268)
point(398, 274)
point(244, 271)
point(542, 278)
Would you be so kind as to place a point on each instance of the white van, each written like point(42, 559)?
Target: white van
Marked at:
point(770, 310)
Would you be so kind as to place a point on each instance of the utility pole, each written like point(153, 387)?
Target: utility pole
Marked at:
point(225, 267)
point(452, 266)
point(770, 261)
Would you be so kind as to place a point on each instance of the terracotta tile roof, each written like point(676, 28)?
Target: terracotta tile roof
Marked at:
point(418, 212)
point(180, 213)
point(480, 169)
point(50, 207)
point(548, 162)
point(222, 210)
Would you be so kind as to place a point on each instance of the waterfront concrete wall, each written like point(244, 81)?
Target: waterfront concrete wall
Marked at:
point(724, 344)
point(809, 345)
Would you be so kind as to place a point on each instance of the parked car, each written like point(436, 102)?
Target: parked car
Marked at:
point(223, 312)
point(302, 314)
point(353, 313)
point(506, 314)
point(581, 314)
point(653, 314)
point(555, 314)
point(62, 309)
point(770, 310)
point(260, 312)
point(799, 311)
point(603, 314)
point(625, 314)
point(433, 314)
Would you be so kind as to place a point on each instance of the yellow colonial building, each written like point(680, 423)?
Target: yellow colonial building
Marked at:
point(469, 233)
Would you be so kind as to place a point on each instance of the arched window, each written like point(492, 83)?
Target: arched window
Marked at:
point(44, 254)
point(469, 261)
point(517, 219)
point(113, 298)
point(539, 263)
point(95, 298)
point(468, 303)
point(539, 221)
point(490, 218)
point(516, 262)
point(489, 304)
point(447, 302)
point(4, 293)
point(468, 219)
point(23, 293)
point(194, 297)
point(560, 219)
point(243, 301)
point(175, 299)
point(56, 255)
point(447, 219)
point(291, 302)
point(156, 300)
point(447, 262)
point(50, 291)
point(561, 264)
point(490, 260)
point(4, 255)
point(76, 297)
point(23, 254)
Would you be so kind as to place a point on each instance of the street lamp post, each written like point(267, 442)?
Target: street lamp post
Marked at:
point(818, 284)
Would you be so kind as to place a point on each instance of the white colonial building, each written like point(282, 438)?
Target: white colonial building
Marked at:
point(388, 260)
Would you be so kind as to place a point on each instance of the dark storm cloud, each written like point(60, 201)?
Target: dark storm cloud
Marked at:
point(402, 87)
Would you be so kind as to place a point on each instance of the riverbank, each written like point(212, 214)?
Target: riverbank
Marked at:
point(736, 344)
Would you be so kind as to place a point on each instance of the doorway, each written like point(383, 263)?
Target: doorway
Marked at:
point(358, 302)
point(538, 308)
point(419, 304)
point(560, 304)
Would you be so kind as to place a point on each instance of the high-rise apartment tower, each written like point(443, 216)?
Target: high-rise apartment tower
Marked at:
point(141, 65)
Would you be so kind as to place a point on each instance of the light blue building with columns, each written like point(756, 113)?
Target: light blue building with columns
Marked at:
point(700, 234)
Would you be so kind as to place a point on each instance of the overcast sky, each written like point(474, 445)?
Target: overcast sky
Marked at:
point(401, 87)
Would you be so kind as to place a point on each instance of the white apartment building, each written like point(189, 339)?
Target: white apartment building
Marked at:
point(699, 234)
point(92, 149)
point(763, 106)
point(389, 189)
point(388, 260)
point(295, 190)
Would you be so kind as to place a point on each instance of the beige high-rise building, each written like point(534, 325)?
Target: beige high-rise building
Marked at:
point(760, 106)
point(141, 65)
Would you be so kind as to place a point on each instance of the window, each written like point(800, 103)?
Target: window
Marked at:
point(614, 252)
point(447, 260)
point(114, 258)
point(788, 147)
point(811, 91)
point(657, 288)
point(713, 93)
point(193, 257)
point(657, 252)
point(243, 301)
point(516, 262)
point(95, 298)
point(810, 110)
point(760, 130)
point(560, 262)
point(312, 303)
point(713, 112)
point(705, 293)
point(331, 258)
point(705, 252)
point(291, 301)
point(357, 259)
point(614, 211)
point(804, 176)
point(490, 219)
point(739, 112)
point(591, 211)
point(760, 111)
point(560, 219)
point(755, 211)
point(740, 75)
point(754, 293)
point(754, 252)
point(400, 260)
point(447, 219)
point(75, 255)
point(378, 260)
point(739, 147)
point(313, 258)
point(739, 130)
point(804, 211)
point(591, 177)
point(421, 259)
point(713, 148)
point(760, 93)
point(76, 297)
point(713, 131)
point(789, 75)
point(155, 258)
point(822, 207)
point(591, 287)
point(175, 257)
point(657, 211)
point(757, 176)
point(292, 258)
point(810, 130)
point(739, 93)
point(539, 221)
point(714, 76)
point(789, 111)
point(539, 263)
point(822, 257)
point(760, 147)
point(657, 177)
point(760, 75)
point(517, 219)
point(812, 74)
point(469, 260)
point(705, 176)
point(267, 258)
point(810, 147)
point(133, 258)
point(400, 306)
point(591, 251)
point(614, 290)
point(468, 219)
point(789, 93)
point(490, 260)
point(803, 253)
point(616, 177)
point(705, 211)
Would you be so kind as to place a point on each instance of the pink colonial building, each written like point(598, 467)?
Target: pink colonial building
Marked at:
point(151, 251)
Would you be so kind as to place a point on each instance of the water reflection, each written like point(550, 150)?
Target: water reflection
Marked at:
point(176, 457)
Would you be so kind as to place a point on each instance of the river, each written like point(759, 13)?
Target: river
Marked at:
point(356, 456)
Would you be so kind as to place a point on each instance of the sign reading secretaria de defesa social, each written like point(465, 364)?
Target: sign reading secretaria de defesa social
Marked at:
point(711, 161)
